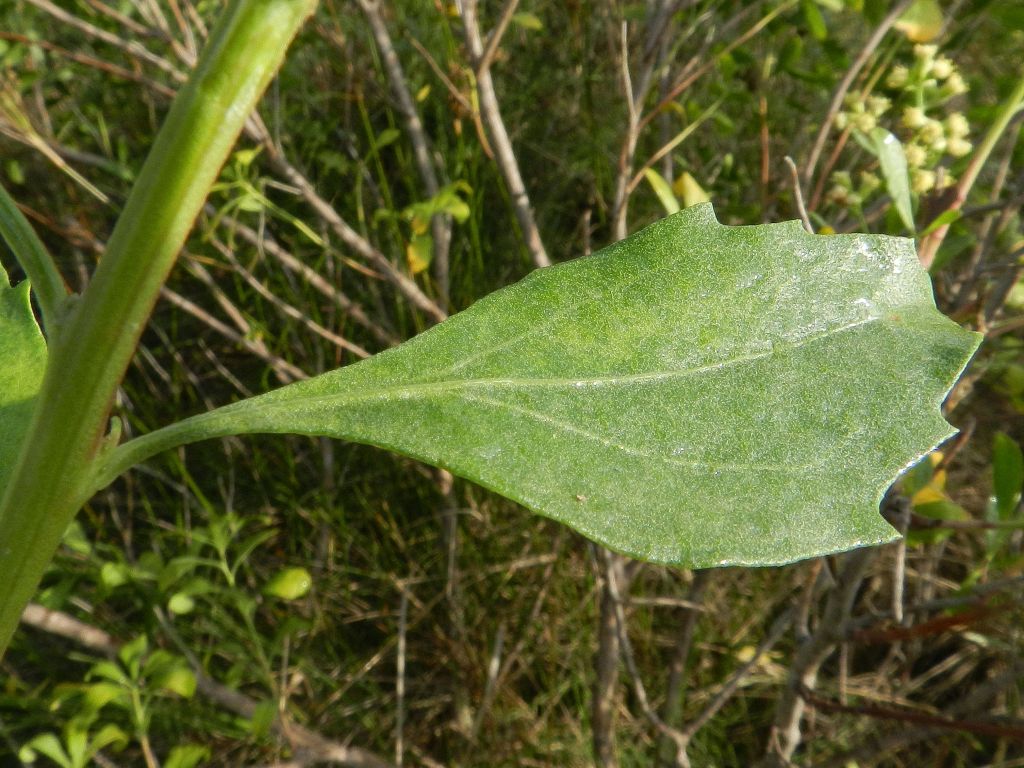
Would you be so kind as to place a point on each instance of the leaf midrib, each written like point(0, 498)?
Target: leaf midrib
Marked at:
point(407, 391)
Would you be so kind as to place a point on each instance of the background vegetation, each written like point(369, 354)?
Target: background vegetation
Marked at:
point(280, 601)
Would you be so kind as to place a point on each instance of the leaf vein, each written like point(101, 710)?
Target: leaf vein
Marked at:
point(710, 466)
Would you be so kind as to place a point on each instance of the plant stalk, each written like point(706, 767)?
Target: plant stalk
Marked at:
point(94, 345)
point(929, 245)
point(28, 249)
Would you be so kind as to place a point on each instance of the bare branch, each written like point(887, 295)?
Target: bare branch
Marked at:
point(504, 154)
point(285, 371)
point(403, 620)
point(266, 245)
point(286, 308)
point(494, 38)
point(673, 706)
point(786, 731)
point(441, 225)
point(134, 49)
point(678, 738)
point(607, 666)
point(778, 628)
point(406, 285)
point(798, 194)
point(692, 74)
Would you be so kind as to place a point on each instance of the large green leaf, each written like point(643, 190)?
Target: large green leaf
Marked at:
point(22, 361)
point(696, 394)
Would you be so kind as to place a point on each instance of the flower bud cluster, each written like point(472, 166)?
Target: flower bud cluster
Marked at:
point(846, 193)
point(913, 107)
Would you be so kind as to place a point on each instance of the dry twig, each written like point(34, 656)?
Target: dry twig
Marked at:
point(491, 112)
point(441, 225)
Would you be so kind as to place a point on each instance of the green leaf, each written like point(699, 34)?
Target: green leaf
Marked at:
point(944, 218)
point(687, 188)
point(131, 653)
point(814, 20)
point(76, 739)
point(917, 476)
point(181, 604)
point(262, 718)
point(941, 509)
point(108, 670)
point(894, 168)
point(177, 679)
point(922, 21)
point(98, 695)
point(169, 673)
point(110, 735)
point(22, 362)
point(385, 138)
point(419, 253)
point(244, 157)
point(45, 744)
point(289, 584)
point(187, 756)
point(697, 394)
point(447, 200)
point(528, 21)
point(1007, 474)
point(76, 540)
point(663, 190)
point(113, 575)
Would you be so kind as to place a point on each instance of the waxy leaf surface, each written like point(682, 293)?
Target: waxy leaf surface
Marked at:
point(696, 394)
point(22, 362)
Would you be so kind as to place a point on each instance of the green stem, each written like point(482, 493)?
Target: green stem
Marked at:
point(28, 249)
point(92, 349)
point(119, 460)
point(929, 244)
point(1011, 106)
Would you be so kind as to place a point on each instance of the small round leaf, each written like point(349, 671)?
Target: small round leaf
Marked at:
point(289, 584)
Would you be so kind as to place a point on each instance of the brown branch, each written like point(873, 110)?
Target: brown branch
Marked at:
point(287, 309)
point(678, 738)
point(441, 225)
point(132, 48)
point(934, 626)
point(90, 61)
point(673, 705)
point(786, 733)
point(266, 245)
point(494, 38)
point(1004, 730)
point(975, 702)
point(256, 131)
point(502, 144)
point(775, 632)
point(690, 76)
point(285, 371)
point(405, 285)
point(798, 194)
point(133, 26)
point(606, 665)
